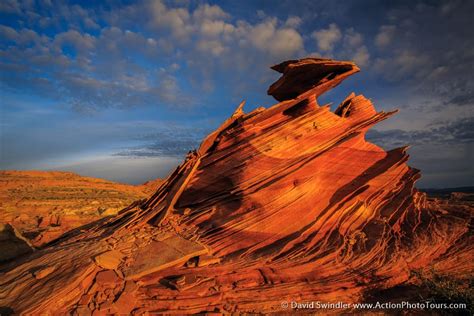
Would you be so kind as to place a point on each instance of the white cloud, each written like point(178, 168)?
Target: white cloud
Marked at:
point(206, 40)
point(81, 42)
point(113, 43)
point(261, 35)
point(210, 12)
point(352, 38)
point(21, 37)
point(210, 31)
point(267, 37)
point(215, 47)
point(361, 56)
point(293, 22)
point(350, 45)
point(286, 42)
point(213, 28)
point(8, 33)
point(404, 63)
point(90, 23)
point(354, 48)
point(327, 38)
point(174, 19)
point(385, 35)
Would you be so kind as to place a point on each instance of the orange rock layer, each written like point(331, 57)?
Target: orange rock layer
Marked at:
point(289, 203)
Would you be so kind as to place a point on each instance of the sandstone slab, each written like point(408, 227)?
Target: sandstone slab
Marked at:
point(159, 255)
point(109, 260)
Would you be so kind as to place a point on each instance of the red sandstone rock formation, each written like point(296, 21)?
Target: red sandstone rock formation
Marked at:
point(289, 203)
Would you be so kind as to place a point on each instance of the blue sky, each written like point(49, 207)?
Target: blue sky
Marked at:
point(122, 89)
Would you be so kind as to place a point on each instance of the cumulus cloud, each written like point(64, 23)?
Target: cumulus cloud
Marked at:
point(354, 48)
point(8, 33)
point(293, 21)
point(327, 38)
point(174, 19)
point(345, 44)
point(84, 83)
point(214, 41)
point(385, 35)
point(213, 37)
point(214, 47)
point(268, 38)
point(22, 37)
point(214, 28)
point(404, 63)
point(211, 12)
point(80, 42)
point(361, 56)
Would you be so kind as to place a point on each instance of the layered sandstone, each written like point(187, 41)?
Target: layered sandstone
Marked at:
point(289, 203)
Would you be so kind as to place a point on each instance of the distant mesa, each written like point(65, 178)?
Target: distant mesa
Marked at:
point(288, 203)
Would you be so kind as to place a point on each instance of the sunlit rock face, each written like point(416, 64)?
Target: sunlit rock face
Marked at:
point(289, 203)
